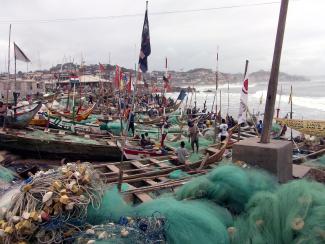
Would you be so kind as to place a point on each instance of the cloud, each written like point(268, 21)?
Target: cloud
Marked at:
point(189, 40)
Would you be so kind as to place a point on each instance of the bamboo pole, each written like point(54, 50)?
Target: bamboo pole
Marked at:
point(273, 82)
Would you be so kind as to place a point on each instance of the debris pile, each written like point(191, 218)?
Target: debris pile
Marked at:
point(51, 206)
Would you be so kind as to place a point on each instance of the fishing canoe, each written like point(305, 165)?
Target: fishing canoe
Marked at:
point(141, 177)
point(81, 115)
point(51, 145)
point(22, 116)
point(153, 167)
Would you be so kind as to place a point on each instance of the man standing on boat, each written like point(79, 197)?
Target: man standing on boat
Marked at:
point(131, 124)
point(223, 127)
point(194, 135)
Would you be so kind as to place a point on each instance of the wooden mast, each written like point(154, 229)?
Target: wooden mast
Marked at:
point(120, 176)
point(291, 112)
point(216, 113)
point(245, 73)
point(8, 82)
point(273, 83)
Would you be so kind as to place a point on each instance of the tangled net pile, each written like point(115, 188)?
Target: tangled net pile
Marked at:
point(52, 205)
point(232, 205)
point(150, 230)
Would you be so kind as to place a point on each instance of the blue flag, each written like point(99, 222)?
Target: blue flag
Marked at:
point(181, 95)
point(145, 45)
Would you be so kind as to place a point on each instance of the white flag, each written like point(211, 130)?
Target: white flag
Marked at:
point(20, 55)
point(243, 102)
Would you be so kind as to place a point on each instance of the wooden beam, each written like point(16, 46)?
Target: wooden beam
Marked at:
point(273, 82)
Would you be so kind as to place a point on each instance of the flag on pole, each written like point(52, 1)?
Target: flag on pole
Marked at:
point(101, 68)
point(117, 77)
point(20, 55)
point(145, 45)
point(243, 102)
point(181, 95)
point(129, 84)
point(167, 85)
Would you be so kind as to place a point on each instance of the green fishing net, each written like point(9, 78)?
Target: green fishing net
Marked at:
point(6, 175)
point(187, 221)
point(201, 211)
point(318, 163)
point(228, 186)
point(177, 174)
point(276, 128)
point(295, 213)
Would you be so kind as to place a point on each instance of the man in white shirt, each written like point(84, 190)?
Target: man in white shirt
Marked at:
point(223, 127)
point(182, 154)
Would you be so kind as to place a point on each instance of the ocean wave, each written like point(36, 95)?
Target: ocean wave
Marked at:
point(307, 102)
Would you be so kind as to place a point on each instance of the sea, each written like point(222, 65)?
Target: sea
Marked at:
point(308, 98)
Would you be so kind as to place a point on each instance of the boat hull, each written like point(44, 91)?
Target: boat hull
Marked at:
point(22, 118)
point(57, 149)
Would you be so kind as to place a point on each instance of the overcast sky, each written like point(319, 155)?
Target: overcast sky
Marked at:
point(189, 40)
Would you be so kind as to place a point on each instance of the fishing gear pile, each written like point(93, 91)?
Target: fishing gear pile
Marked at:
point(51, 205)
point(150, 230)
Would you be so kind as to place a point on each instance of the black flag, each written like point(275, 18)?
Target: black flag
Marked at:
point(145, 45)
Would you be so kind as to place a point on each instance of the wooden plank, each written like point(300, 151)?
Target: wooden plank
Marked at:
point(212, 150)
point(137, 164)
point(143, 197)
point(159, 163)
point(299, 171)
point(151, 182)
point(112, 168)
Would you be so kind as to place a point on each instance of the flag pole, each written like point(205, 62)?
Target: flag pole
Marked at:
point(15, 77)
point(291, 111)
point(215, 96)
point(228, 99)
point(120, 177)
point(245, 73)
point(8, 82)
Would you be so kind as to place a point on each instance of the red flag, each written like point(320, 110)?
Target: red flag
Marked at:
point(155, 89)
point(101, 68)
point(129, 85)
point(117, 77)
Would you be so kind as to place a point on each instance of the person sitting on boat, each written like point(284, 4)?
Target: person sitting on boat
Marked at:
point(182, 154)
point(259, 127)
point(144, 143)
point(146, 135)
point(194, 135)
point(3, 111)
point(223, 127)
point(10, 114)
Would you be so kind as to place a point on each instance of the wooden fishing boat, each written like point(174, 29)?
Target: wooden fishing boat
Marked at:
point(81, 115)
point(150, 167)
point(58, 145)
point(140, 177)
point(73, 126)
point(134, 151)
point(22, 116)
